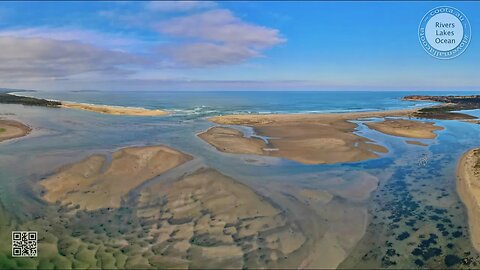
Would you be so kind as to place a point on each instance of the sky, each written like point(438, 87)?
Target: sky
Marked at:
point(206, 45)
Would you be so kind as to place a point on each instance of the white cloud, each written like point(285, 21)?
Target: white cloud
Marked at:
point(209, 54)
point(110, 41)
point(47, 58)
point(206, 38)
point(179, 6)
point(218, 38)
point(222, 26)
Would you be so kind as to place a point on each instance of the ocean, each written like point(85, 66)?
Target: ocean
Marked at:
point(239, 102)
point(413, 219)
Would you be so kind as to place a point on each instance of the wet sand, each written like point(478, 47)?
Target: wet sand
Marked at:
point(468, 187)
point(95, 183)
point(10, 129)
point(208, 220)
point(305, 138)
point(218, 221)
point(114, 110)
point(406, 128)
point(416, 143)
point(230, 140)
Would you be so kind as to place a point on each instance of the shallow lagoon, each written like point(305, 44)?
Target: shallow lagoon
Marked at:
point(415, 217)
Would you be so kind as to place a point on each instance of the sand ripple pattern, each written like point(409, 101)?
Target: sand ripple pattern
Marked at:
point(92, 184)
point(207, 219)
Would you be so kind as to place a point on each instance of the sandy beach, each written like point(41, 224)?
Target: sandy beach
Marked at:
point(95, 183)
point(305, 138)
point(113, 110)
point(468, 188)
point(10, 129)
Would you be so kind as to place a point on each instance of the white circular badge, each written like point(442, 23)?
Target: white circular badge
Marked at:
point(444, 32)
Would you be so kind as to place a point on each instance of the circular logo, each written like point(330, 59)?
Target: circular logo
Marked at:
point(444, 32)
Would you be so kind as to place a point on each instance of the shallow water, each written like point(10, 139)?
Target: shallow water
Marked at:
point(415, 216)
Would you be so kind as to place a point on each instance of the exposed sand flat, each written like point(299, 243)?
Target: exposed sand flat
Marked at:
point(10, 129)
point(416, 143)
point(114, 110)
point(91, 186)
point(309, 139)
point(468, 187)
point(406, 128)
point(222, 222)
point(222, 138)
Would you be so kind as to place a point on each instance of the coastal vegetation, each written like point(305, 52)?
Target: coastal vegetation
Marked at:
point(7, 98)
point(446, 111)
point(28, 101)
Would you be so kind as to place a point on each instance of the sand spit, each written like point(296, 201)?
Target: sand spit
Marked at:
point(308, 139)
point(406, 128)
point(468, 187)
point(114, 110)
point(208, 220)
point(92, 184)
point(10, 129)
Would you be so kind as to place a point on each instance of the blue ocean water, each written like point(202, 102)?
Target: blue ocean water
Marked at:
point(237, 102)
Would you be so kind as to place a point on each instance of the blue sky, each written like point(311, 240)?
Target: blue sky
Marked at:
point(228, 46)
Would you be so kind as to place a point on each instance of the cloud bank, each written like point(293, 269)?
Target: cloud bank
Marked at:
point(31, 58)
point(217, 37)
point(174, 35)
point(179, 6)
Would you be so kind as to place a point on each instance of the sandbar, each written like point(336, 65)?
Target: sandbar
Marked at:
point(113, 110)
point(10, 129)
point(406, 128)
point(468, 188)
point(95, 183)
point(305, 138)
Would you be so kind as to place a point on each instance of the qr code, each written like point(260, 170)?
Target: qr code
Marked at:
point(24, 244)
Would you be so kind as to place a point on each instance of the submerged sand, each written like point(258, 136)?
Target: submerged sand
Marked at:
point(114, 110)
point(468, 187)
point(95, 183)
point(406, 128)
point(217, 221)
point(308, 139)
point(209, 220)
point(10, 129)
